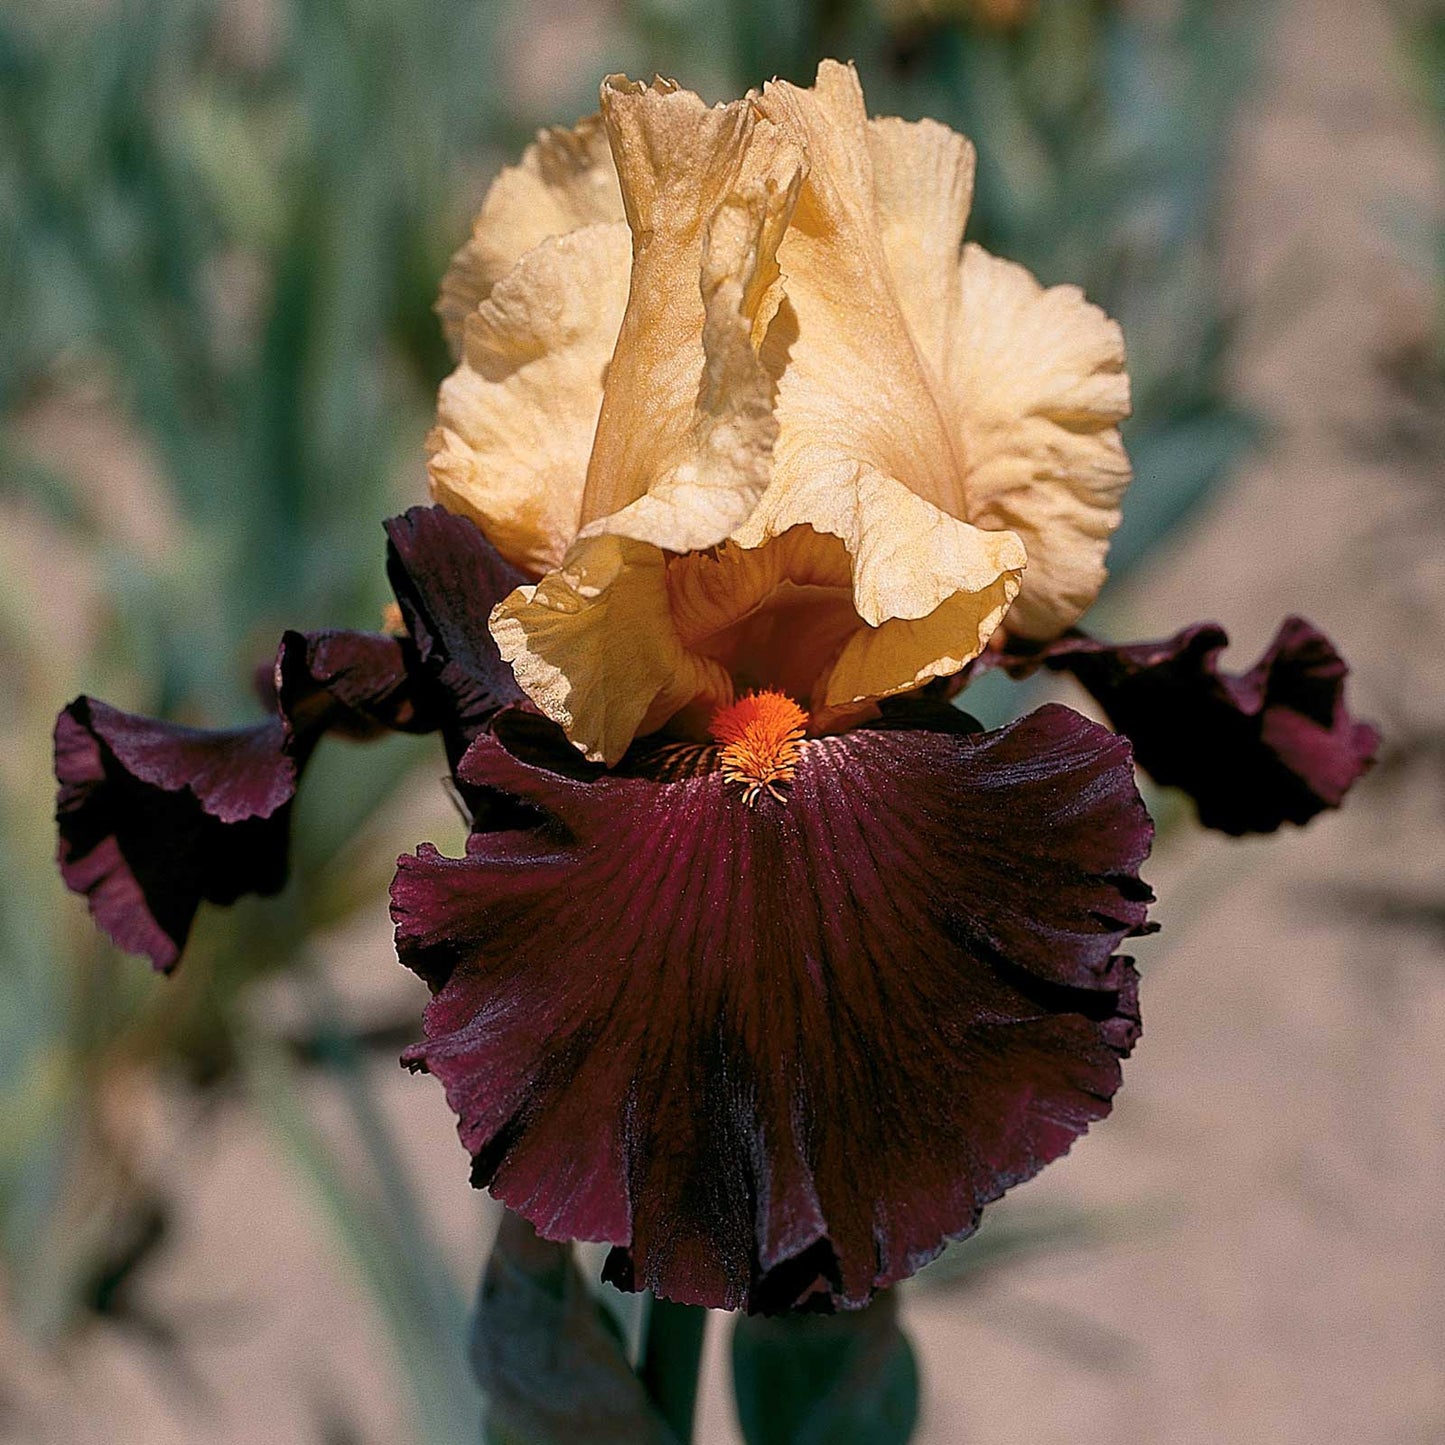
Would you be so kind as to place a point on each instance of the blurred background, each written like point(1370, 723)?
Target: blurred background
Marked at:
point(225, 1214)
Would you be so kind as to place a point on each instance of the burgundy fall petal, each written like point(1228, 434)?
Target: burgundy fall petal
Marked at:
point(151, 815)
point(447, 578)
point(154, 818)
point(778, 1055)
point(1268, 746)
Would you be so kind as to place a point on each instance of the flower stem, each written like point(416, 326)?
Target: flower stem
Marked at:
point(671, 1355)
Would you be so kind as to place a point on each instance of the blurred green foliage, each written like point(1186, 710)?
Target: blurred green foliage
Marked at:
point(220, 257)
point(222, 224)
point(1423, 43)
point(845, 1379)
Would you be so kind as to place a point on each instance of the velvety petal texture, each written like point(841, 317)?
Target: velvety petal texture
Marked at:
point(779, 1054)
point(136, 838)
point(155, 818)
point(795, 355)
point(356, 684)
point(1272, 745)
point(447, 578)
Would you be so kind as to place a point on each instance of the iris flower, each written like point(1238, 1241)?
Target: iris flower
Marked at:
point(764, 964)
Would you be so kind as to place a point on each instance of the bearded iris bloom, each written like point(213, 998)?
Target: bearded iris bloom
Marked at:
point(764, 964)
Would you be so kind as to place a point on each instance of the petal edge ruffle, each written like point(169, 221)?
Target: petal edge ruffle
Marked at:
point(1272, 745)
point(155, 818)
point(784, 1053)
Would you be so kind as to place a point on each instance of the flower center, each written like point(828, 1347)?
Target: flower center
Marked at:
point(761, 735)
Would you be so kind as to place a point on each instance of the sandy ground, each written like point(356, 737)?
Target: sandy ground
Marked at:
point(1270, 1266)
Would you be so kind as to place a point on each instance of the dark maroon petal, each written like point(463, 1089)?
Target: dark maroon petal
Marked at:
point(358, 684)
point(1268, 746)
point(781, 1054)
point(155, 818)
point(447, 578)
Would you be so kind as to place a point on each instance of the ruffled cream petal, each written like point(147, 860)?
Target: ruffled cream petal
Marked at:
point(594, 646)
point(828, 433)
point(564, 180)
point(684, 443)
point(1036, 385)
point(622, 638)
point(515, 421)
point(725, 461)
point(835, 629)
point(853, 388)
point(928, 589)
point(923, 189)
point(864, 453)
point(907, 555)
point(904, 653)
point(775, 616)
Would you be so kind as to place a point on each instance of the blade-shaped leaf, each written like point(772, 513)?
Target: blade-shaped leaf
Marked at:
point(845, 1379)
point(548, 1356)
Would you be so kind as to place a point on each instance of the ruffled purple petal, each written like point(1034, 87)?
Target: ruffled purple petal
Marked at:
point(155, 818)
point(779, 1055)
point(447, 578)
point(1272, 745)
point(357, 684)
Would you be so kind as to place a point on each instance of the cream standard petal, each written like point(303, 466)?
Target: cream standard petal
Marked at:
point(726, 461)
point(1031, 380)
point(515, 421)
point(853, 387)
point(564, 180)
point(685, 437)
point(923, 189)
point(1036, 384)
point(864, 452)
point(594, 646)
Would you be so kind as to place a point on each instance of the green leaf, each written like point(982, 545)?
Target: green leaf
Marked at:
point(846, 1379)
point(548, 1356)
point(671, 1359)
